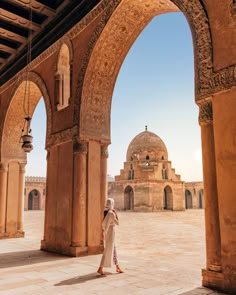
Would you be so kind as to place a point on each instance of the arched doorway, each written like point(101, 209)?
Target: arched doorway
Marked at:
point(200, 199)
point(188, 200)
point(168, 198)
point(129, 198)
point(34, 200)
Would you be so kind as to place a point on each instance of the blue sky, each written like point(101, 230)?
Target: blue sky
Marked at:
point(155, 87)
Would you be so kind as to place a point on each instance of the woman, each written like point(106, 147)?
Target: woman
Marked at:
point(108, 227)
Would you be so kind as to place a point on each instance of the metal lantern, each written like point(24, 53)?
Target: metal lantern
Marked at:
point(26, 137)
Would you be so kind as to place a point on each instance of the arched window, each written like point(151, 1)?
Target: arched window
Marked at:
point(62, 78)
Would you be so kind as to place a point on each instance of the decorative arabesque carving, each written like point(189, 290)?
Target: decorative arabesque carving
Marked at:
point(205, 113)
point(62, 136)
point(80, 146)
point(104, 151)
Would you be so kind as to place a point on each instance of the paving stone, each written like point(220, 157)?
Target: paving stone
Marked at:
point(162, 253)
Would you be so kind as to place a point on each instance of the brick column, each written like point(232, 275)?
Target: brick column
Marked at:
point(212, 228)
point(79, 203)
point(3, 197)
point(21, 198)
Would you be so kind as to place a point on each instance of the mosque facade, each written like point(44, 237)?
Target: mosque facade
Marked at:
point(148, 182)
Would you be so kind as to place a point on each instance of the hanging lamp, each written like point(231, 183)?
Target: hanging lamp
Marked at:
point(26, 136)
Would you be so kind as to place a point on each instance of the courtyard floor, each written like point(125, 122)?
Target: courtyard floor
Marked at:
point(161, 253)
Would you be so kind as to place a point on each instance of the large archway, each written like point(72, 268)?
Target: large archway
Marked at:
point(13, 158)
point(110, 44)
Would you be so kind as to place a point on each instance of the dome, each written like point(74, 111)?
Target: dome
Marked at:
point(147, 146)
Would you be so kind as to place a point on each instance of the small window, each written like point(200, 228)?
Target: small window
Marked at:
point(62, 78)
point(147, 157)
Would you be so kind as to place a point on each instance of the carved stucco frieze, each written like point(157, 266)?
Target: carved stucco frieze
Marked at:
point(61, 137)
point(205, 113)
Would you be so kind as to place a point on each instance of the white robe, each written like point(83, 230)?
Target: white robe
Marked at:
point(108, 226)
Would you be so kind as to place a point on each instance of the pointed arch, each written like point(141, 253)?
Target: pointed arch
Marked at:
point(114, 40)
point(11, 131)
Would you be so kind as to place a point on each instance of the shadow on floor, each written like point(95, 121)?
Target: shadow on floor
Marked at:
point(82, 279)
point(28, 257)
point(202, 291)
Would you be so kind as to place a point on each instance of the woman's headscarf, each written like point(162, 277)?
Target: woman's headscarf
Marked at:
point(109, 204)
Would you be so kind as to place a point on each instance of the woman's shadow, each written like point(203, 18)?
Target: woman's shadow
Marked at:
point(83, 279)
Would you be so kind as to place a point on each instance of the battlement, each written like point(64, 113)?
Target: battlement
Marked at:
point(35, 179)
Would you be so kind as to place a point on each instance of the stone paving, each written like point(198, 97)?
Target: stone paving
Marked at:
point(161, 253)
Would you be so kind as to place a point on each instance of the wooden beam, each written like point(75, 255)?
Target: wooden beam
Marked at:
point(12, 35)
point(7, 48)
point(36, 6)
point(18, 20)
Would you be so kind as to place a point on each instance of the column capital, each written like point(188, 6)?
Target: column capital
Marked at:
point(104, 151)
point(80, 146)
point(205, 113)
point(22, 167)
point(3, 167)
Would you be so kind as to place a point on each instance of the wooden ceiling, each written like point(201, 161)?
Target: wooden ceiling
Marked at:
point(47, 20)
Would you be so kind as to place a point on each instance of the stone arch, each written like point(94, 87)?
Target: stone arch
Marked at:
point(168, 198)
point(34, 200)
point(13, 122)
point(63, 75)
point(188, 199)
point(13, 158)
point(115, 39)
point(129, 198)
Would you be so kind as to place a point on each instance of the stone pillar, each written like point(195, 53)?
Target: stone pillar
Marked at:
point(21, 198)
point(3, 197)
point(212, 275)
point(79, 202)
point(94, 197)
point(104, 157)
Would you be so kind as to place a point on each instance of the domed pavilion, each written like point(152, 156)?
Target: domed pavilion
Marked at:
point(148, 182)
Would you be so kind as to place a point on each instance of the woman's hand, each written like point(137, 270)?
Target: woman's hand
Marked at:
point(114, 211)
